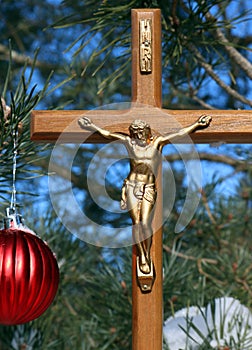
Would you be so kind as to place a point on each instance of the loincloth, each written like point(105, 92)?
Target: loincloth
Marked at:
point(141, 190)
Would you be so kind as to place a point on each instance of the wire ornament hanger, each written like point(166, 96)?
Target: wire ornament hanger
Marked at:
point(13, 219)
point(14, 171)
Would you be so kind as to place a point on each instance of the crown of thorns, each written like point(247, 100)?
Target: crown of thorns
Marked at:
point(139, 125)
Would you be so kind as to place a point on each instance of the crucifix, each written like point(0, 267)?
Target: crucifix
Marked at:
point(226, 126)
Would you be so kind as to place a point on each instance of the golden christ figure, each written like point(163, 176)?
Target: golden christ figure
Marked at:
point(139, 189)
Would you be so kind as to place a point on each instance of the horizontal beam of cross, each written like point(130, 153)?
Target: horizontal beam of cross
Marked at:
point(229, 126)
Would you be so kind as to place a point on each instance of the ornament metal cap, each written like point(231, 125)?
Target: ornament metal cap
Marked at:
point(13, 219)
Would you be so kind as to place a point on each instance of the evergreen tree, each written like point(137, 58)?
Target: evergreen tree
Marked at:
point(87, 45)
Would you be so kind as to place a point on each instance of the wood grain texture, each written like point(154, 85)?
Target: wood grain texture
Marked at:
point(146, 87)
point(147, 308)
point(227, 126)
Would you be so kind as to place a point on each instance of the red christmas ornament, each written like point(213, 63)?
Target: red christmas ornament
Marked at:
point(29, 273)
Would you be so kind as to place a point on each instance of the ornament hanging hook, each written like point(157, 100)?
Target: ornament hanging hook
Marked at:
point(14, 169)
point(13, 219)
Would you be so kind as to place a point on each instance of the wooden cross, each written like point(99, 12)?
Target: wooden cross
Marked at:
point(227, 126)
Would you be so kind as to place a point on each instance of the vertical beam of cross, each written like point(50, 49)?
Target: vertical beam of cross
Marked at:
point(147, 308)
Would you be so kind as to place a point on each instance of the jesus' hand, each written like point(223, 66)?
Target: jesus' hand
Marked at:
point(86, 123)
point(204, 121)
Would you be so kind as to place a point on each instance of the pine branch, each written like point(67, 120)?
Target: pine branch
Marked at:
point(193, 96)
point(202, 103)
point(208, 68)
point(188, 257)
point(239, 59)
point(23, 59)
point(217, 158)
point(207, 207)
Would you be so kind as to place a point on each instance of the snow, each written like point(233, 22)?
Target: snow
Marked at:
point(225, 322)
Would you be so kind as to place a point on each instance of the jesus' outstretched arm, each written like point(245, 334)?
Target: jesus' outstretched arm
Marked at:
point(202, 122)
point(86, 123)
